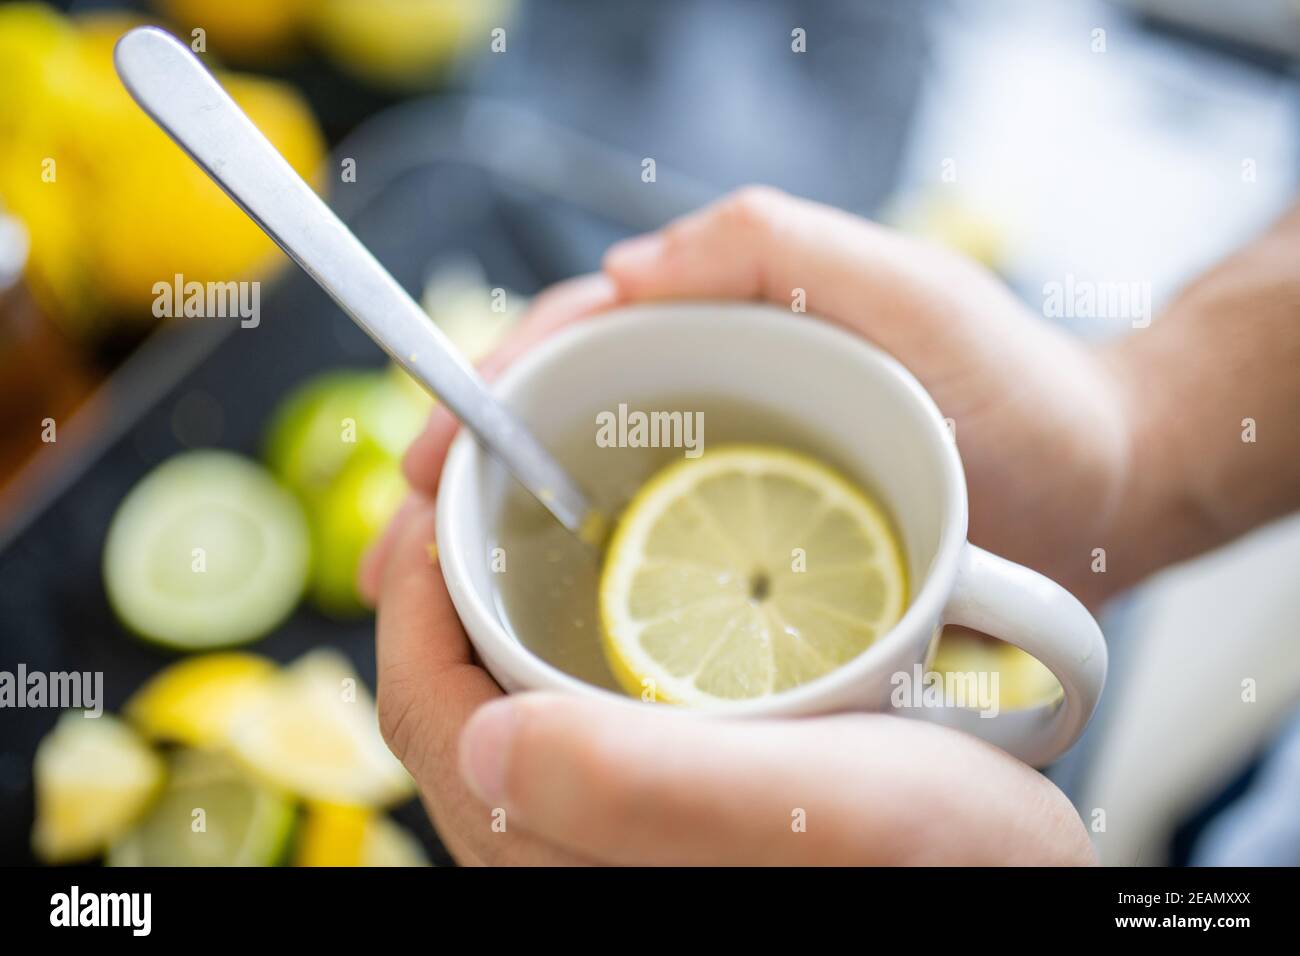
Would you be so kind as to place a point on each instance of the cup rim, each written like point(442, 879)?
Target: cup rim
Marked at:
point(488, 633)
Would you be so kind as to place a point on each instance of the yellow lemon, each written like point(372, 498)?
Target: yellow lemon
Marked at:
point(111, 205)
point(316, 734)
point(1023, 681)
point(405, 43)
point(196, 700)
point(249, 30)
point(340, 835)
point(94, 778)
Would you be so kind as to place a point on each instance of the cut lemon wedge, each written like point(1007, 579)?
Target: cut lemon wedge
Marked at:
point(745, 572)
point(197, 700)
point(340, 835)
point(1023, 681)
point(316, 734)
point(389, 844)
point(94, 778)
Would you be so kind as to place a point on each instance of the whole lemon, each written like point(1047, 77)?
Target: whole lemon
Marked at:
point(112, 205)
point(241, 30)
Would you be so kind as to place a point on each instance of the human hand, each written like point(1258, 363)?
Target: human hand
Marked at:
point(554, 779)
point(1038, 417)
point(1131, 445)
point(942, 316)
point(1138, 447)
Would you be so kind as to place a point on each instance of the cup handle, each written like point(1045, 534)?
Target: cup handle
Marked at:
point(1037, 615)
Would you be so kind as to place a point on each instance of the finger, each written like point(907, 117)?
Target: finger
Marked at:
point(641, 785)
point(561, 305)
point(422, 463)
point(427, 688)
point(370, 571)
point(427, 683)
point(759, 243)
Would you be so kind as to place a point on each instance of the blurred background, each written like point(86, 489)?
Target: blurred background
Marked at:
point(481, 145)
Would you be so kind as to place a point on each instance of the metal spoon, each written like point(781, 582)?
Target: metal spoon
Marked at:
point(183, 98)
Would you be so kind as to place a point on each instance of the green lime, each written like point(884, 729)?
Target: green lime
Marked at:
point(337, 441)
point(210, 814)
point(348, 516)
point(317, 428)
point(206, 551)
point(395, 411)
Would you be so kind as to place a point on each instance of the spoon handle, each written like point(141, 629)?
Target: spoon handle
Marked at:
point(183, 98)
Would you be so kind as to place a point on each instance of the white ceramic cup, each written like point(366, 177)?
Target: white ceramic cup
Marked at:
point(889, 435)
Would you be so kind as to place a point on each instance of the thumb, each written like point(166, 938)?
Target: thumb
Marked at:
point(632, 784)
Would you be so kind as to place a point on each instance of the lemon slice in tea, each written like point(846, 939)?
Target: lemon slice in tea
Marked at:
point(745, 572)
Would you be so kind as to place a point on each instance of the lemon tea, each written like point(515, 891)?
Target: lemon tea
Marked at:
point(546, 580)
